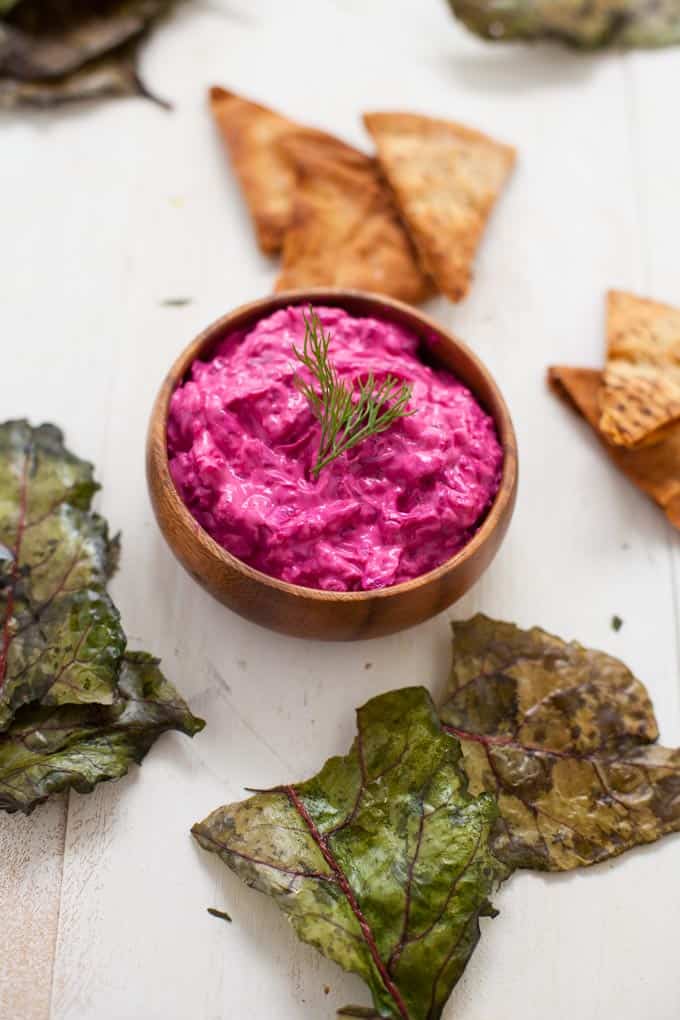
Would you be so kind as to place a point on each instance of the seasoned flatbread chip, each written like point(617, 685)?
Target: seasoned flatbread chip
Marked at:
point(641, 393)
point(251, 134)
point(654, 469)
point(345, 230)
point(446, 179)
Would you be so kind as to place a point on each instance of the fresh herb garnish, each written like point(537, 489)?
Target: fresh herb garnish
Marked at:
point(617, 623)
point(347, 413)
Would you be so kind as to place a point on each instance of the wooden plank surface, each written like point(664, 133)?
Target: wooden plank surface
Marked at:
point(32, 854)
point(117, 207)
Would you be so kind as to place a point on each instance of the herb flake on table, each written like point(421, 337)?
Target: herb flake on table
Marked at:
point(382, 861)
point(76, 706)
point(222, 914)
point(359, 1013)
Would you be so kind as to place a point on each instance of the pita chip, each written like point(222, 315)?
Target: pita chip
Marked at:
point(446, 179)
point(251, 134)
point(654, 469)
point(640, 397)
point(345, 230)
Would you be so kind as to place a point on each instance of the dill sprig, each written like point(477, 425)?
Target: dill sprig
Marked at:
point(347, 413)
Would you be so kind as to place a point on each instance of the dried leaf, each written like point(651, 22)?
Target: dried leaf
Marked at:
point(381, 862)
point(60, 51)
point(597, 24)
point(60, 635)
point(563, 738)
point(46, 751)
point(40, 54)
point(75, 708)
point(103, 79)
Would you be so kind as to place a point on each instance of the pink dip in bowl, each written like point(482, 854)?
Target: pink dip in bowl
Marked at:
point(242, 440)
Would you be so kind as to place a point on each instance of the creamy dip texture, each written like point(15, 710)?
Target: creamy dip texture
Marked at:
point(242, 440)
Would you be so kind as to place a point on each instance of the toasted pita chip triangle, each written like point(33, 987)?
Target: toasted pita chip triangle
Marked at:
point(640, 397)
point(446, 179)
point(345, 230)
point(251, 134)
point(654, 469)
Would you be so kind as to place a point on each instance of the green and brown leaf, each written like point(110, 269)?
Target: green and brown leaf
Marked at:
point(75, 707)
point(382, 861)
point(594, 25)
point(46, 751)
point(60, 635)
point(56, 51)
point(564, 739)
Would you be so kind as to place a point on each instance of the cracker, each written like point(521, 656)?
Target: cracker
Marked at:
point(345, 230)
point(251, 134)
point(654, 469)
point(446, 179)
point(640, 397)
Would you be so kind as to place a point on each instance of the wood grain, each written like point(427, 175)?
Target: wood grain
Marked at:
point(305, 612)
point(32, 855)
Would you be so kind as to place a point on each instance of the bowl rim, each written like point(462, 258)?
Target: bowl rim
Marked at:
point(334, 296)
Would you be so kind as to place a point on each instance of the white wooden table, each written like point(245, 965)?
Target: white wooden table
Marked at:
point(105, 212)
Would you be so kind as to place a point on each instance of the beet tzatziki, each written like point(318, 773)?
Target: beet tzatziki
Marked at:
point(243, 439)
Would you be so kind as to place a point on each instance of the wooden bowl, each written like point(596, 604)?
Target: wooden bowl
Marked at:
point(309, 612)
